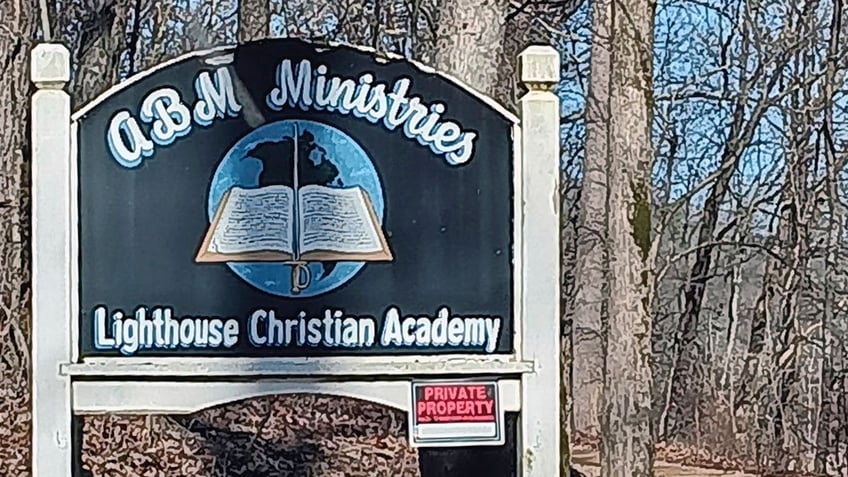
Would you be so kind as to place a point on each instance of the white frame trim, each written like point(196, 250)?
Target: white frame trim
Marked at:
point(351, 366)
point(73, 233)
point(517, 249)
point(135, 397)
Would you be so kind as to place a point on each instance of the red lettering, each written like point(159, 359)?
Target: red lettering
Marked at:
point(439, 393)
point(455, 403)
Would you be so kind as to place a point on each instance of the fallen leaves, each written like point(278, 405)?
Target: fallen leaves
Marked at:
point(280, 436)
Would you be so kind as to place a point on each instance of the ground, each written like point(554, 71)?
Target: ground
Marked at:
point(586, 461)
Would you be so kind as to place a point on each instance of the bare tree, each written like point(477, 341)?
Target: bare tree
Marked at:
point(627, 439)
point(589, 312)
point(828, 425)
point(755, 92)
point(18, 31)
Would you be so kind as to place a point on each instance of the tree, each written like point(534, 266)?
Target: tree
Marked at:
point(18, 32)
point(757, 55)
point(100, 46)
point(590, 307)
point(749, 229)
point(469, 42)
point(627, 438)
point(254, 20)
point(828, 421)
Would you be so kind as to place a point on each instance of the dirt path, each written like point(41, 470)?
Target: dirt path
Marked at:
point(587, 463)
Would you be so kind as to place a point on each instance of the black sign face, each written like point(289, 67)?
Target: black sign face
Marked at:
point(283, 199)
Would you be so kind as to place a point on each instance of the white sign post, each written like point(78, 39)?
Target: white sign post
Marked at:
point(52, 257)
point(540, 262)
point(528, 381)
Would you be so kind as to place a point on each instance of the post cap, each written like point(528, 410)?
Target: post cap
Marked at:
point(50, 65)
point(539, 65)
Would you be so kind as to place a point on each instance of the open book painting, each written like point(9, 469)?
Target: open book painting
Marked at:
point(297, 212)
point(268, 224)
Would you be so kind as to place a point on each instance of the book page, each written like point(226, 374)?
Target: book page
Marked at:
point(255, 220)
point(336, 220)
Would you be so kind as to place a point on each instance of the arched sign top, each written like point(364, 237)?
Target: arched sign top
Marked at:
point(261, 81)
point(381, 57)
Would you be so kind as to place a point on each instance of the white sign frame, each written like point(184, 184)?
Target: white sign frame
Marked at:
point(63, 384)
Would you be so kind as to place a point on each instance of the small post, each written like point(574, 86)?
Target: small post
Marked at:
point(51, 259)
point(540, 239)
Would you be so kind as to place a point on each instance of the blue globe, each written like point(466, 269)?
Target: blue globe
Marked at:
point(327, 157)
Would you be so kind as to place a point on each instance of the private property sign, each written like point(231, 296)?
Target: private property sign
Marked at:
point(455, 413)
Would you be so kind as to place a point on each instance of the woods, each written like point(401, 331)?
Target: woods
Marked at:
point(703, 194)
point(745, 136)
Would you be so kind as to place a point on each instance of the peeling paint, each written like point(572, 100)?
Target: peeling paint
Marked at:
point(529, 458)
point(555, 200)
point(220, 60)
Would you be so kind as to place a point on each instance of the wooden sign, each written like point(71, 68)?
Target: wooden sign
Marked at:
point(281, 217)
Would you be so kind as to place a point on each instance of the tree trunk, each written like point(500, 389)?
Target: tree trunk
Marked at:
point(589, 312)
point(100, 51)
point(687, 372)
point(254, 20)
point(828, 420)
point(18, 24)
point(627, 443)
point(469, 43)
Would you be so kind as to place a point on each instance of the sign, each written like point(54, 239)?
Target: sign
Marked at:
point(282, 199)
point(455, 413)
point(285, 199)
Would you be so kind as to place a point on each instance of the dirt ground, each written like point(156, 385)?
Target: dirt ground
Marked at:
point(587, 463)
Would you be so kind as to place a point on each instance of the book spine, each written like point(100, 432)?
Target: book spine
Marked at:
point(295, 195)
